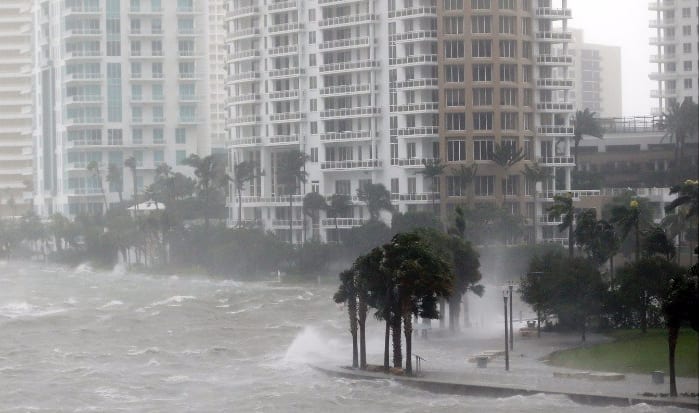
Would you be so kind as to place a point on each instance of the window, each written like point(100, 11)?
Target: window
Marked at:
point(508, 97)
point(508, 48)
point(313, 82)
point(187, 91)
point(483, 185)
point(453, 4)
point(480, 24)
point(507, 24)
point(180, 156)
point(687, 30)
point(136, 92)
point(454, 186)
point(314, 155)
point(482, 96)
point(483, 149)
point(137, 136)
point(687, 48)
point(511, 185)
point(454, 49)
point(688, 66)
point(135, 48)
point(395, 185)
point(158, 157)
point(157, 92)
point(180, 136)
point(343, 187)
point(455, 97)
point(157, 70)
point(480, 4)
point(312, 38)
point(686, 12)
point(455, 121)
point(156, 48)
point(508, 73)
point(158, 136)
point(453, 25)
point(507, 4)
point(115, 137)
point(312, 59)
point(456, 150)
point(688, 83)
point(481, 48)
point(483, 120)
point(482, 73)
point(454, 74)
point(135, 70)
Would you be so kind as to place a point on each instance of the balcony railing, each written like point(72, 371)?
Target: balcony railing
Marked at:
point(351, 164)
point(557, 160)
point(416, 197)
point(347, 20)
point(415, 162)
point(343, 222)
point(350, 112)
point(345, 136)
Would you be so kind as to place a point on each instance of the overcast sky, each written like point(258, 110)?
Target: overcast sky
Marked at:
point(621, 23)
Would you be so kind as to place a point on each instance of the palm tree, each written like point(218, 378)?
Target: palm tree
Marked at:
point(535, 174)
point(563, 209)
point(681, 122)
point(377, 198)
point(506, 157)
point(339, 205)
point(629, 218)
point(210, 177)
point(115, 177)
point(130, 163)
point(243, 172)
point(585, 123)
point(94, 168)
point(291, 170)
point(687, 196)
point(313, 203)
point(433, 170)
point(347, 293)
point(466, 176)
point(370, 283)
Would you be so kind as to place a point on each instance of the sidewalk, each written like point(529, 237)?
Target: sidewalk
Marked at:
point(446, 369)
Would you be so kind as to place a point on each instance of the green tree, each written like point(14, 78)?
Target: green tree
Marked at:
point(597, 238)
point(291, 171)
point(656, 242)
point(687, 198)
point(433, 170)
point(585, 123)
point(115, 177)
point(313, 203)
point(681, 122)
point(535, 174)
point(563, 209)
point(627, 219)
point(243, 173)
point(347, 294)
point(130, 163)
point(94, 168)
point(466, 176)
point(338, 206)
point(377, 198)
point(505, 156)
point(211, 178)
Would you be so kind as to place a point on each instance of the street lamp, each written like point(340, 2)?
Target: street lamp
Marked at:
point(507, 347)
point(512, 331)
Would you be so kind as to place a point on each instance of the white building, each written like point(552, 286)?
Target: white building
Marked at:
point(677, 55)
point(15, 106)
point(597, 76)
point(116, 79)
point(361, 86)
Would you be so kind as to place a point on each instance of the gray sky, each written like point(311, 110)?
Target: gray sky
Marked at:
point(621, 23)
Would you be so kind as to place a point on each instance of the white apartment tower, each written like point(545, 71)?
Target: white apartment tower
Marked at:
point(373, 90)
point(677, 55)
point(116, 79)
point(15, 107)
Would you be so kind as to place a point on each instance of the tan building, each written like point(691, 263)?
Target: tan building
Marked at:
point(15, 107)
point(597, 76)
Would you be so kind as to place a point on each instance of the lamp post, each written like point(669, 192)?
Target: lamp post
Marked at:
point(507, 347)
point(512, 331)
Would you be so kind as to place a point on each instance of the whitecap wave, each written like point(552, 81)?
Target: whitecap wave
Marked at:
point(174, 300)
point(26, 310)
point(139, 352)
point(113, 303)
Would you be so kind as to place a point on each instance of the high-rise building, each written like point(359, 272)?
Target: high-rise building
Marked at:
point(677, 54)
point(597, 76)
point(372, 91)
point(114, 80)
point(217, 76)
point(15, 107)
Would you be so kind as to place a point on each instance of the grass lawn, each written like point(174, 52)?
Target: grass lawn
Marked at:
point(633, 352)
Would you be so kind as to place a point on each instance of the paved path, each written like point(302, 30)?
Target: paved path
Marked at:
point(447, 357)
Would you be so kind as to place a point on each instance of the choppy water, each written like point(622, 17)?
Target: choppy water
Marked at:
point(82, 341)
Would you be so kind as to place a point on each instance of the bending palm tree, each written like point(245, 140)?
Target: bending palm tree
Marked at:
point(243, 173)
point(115, 177)
point(94, 168)
point(339, 205)
point(628, 218)
point(535, 174)
point(585, 123)
point(563, 209)
point(506, 157)
point(377, 198)
point(433, 170)
point(466, 176)
point(130, 163)
point(681, 121)
point(347, 293)
point(290, 172)
point(313, 203)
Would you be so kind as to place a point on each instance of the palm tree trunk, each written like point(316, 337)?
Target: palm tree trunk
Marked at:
point(467, 320)
point(352, 310)
point(291, 220)
point(408, 328)
point(386, 346)
point(673, 333)
point(638, 242)
point(396, 333)
point(538, 324)
point(584, 325)
point(362, 330)
point(442, 310)
point(240, 208)
point(644, 312)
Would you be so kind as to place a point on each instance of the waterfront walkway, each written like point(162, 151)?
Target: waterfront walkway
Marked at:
point(446, 369)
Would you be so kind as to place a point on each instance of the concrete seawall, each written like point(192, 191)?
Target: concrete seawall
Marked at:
point(464, 388)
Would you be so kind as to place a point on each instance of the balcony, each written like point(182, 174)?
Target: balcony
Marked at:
point(242, 99)
point(429, 107)
point(282, 6)
point(417, 163)
point(556, 161)
point(287, 117)
point(417, 132)
point(284, 223)
point(243, 55)
point(661, 41)
point(243, 120)
point(663, 58)
point(83, 99)
point(413, 60)
point(663, 94)
point(83, 77)
point(342, 222)
point(351, 20)
point(555, 107)
point(413, 12)
point(83, 11)
point(554, 36)
point(285, 73)
point(339, 137)
point(546, 220)
point(344, 43)
point(415, 84)
point(283, 140)
point(554, 14)
point(661, 5)
point(414, 36)
point(269, 200)
point(348, 66)
point(238, 13)
point(662, 23)
point(248, 141)
point(350, 165)
point(283, 50)
point(243, 77)
point(283, 94)
point(552, 60)
point(555, 131)
point(555, 84)
point(577, 195)
point(345, 90)
point(83, 33)
point(285, 28)
point(350, 112)
point(416, 197)
point(666, 75)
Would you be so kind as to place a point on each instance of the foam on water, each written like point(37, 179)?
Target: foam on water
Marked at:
point(24, 309)
point(174, 300)
point(311, 346)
